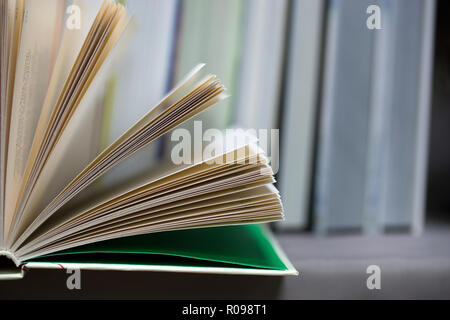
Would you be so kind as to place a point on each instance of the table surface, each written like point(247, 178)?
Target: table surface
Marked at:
point(330, 267)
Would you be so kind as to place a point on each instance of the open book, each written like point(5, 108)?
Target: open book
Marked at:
point(57, 208)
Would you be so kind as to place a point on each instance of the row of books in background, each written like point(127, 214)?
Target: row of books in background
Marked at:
point(352, 103)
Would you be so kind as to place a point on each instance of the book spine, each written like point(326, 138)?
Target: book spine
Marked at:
point(261, 64)
point(321, 192)
point(379, 123)
point(409, 117)
point(423, 118)
point(299, 110)
point(345, 117)
point(211, 34)
point(10, 267)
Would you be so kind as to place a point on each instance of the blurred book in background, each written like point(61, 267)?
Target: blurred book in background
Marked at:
point(375, 114)
point(343, 134)
point(261, 64)
point(142, 79)
point(210, 32)
point(351, 103)
point(299, 111)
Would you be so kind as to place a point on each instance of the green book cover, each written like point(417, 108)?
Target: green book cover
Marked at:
point(232, 249)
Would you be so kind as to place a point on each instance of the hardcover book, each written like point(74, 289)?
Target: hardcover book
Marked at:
point(58, 208)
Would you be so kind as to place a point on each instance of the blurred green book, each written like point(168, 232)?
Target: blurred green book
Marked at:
point(211, 33)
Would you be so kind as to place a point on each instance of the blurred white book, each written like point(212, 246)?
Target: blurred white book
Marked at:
point(141, 80)
point(400, 109)
point(261, 65)
point(374, 118)
point(342, 154)
point(300, 109)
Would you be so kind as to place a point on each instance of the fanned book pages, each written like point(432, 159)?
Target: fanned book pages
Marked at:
point(58, 206)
